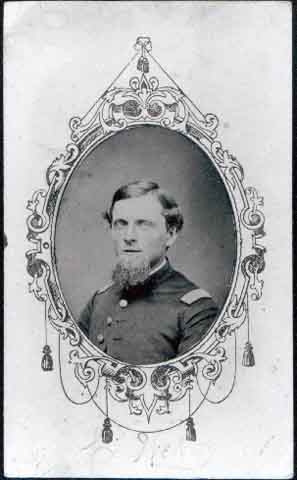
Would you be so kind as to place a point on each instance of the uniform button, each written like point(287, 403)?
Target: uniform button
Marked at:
point(123, 303)
point(100, 338)
point(109, 320)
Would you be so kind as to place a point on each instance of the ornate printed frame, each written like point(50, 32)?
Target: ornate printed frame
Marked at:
point(127, 388)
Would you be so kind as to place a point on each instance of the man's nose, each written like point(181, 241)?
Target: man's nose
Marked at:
point(130, 233)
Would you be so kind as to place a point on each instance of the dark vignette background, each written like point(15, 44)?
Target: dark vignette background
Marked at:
point(206, 248)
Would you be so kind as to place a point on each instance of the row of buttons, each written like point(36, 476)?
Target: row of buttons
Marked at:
point(123, 304)
point(100, 338)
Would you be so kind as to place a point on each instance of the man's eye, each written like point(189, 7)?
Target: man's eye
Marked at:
point(119, 223)
point(144, 223)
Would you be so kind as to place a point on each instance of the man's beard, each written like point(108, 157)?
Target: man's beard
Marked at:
point(129, 272)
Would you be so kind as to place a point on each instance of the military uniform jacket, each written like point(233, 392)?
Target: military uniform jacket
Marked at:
point(151, 323)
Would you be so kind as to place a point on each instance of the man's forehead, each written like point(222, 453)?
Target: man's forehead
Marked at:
point(146, 205)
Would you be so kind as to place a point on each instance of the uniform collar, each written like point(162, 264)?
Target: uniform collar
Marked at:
point(160, 274)
point(156, 269)
point(156, 277)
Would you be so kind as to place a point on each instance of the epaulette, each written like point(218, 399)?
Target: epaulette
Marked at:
point(106, 287)
point(194, 295)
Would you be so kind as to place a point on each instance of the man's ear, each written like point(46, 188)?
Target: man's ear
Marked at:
point(171, 236)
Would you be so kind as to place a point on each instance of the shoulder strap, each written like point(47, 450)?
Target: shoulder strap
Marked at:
point(194, 295)
point(106, 287)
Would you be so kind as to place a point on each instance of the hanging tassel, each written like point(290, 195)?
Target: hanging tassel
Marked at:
point(190, 430)
point(107, 434)
point(47, 363)
point(248, 358)
point(143, 64)
point(140, 64)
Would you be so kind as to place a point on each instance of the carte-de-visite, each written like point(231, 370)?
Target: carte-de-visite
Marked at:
point(147, 254)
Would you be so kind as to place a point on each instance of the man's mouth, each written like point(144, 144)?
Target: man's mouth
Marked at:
point(129, 250)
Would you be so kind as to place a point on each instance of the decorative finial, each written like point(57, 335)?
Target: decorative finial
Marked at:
point(143, 43)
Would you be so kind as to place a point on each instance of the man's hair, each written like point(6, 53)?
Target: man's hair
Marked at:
point(171, 210)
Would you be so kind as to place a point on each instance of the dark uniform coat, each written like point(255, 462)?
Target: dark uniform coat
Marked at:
point(150, 323)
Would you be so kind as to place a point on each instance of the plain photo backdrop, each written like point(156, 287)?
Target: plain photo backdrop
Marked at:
point(206, 249)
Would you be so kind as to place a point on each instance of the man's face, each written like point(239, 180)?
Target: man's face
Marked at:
point(139, 230)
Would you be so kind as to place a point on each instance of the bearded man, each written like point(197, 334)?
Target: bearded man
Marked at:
point(150, 313)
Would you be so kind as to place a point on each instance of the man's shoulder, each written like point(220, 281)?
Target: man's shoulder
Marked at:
point(194, 295)
point(187, 292)
point(107, 289)
point(104, 289)
point(179, 281)
point(194, 303)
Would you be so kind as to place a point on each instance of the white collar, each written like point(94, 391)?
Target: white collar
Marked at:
point(156, 269)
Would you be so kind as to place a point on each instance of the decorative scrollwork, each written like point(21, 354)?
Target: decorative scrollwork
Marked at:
point(170, 382)
point(251, 267)
point(144, 101)
point(56, 173)
point(227, 163)
point(40, 271)
point(146, 390)
point(60, 320)
point(212, 366)
point(86, 368)
point(38, 221)
point(251, 216)
point(133, 378)
point(234, 317)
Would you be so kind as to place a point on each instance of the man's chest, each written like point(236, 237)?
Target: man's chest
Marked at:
point(153, 319)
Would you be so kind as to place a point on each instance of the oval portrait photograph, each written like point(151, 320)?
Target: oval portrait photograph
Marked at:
point(145, 245)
